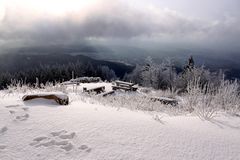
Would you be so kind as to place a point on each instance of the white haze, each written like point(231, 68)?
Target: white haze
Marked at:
point(39, 23)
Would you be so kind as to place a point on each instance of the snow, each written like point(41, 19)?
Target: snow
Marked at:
point(79, 88)
point(94, 132)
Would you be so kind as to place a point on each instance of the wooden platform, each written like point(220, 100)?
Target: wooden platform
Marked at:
point(96, 90)
point(127, 86)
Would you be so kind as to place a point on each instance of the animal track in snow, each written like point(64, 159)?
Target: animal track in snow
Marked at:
point(38, 139)
point(68, 147)
point(12, 112)
point(58, 133)
point(60, 139)
point(68, 136)
point(2, 147)
point(3, 130)
point(85, 148)
point(63, 134)
point(22, 117)
point(25, 108)
point(19, 114)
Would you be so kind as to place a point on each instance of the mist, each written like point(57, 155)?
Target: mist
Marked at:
point(120, 23)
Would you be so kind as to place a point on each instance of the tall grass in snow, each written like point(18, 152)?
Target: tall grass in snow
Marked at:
point(205, 100)
point(227, 96)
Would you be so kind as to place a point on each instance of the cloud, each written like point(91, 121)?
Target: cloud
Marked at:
point(112, 20)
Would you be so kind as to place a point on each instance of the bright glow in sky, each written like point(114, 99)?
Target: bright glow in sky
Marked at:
point(58, 6)
point(53, 7)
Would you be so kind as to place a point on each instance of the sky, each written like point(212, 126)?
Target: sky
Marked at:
point(206, 24)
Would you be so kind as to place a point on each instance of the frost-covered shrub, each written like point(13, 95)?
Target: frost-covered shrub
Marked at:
point(200, 99)
point(50, 87)
point(227, 96)
point(206, 99)
point(18, 87)
point(205, 108)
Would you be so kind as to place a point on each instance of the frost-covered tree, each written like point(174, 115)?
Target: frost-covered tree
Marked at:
point(106, 73)
point(148, 73)
point(158, 76)
point(194, 74)
point(135, 76)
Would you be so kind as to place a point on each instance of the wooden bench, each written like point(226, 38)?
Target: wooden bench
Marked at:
point(164, 100)
point(107, 93)
point(96, 90)
point(122, 83)
point(61, 99)
point(127, 86)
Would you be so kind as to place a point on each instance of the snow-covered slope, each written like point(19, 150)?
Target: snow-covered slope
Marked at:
point(38, 131)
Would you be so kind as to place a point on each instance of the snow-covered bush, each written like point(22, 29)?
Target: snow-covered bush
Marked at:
point(205, 108)
point(227, 96)
point(206, 99)
point(18, 87)
point(50, 87)
point(200, 99)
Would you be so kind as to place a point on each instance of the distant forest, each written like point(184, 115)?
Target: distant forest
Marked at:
point(56, 68)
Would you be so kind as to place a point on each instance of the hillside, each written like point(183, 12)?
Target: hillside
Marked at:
point(23, 62)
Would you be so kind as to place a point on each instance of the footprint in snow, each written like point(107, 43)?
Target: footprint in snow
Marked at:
point(57, 133)
point(19, 114)
point(68, 147)
point(3, 129)
point(22, 117)
point(2, 147)
point(85, 148)
point(37, 140)
point(25, 109)
point(67, 136)
point(60, 139)
point(63, 134)
point(12, 112)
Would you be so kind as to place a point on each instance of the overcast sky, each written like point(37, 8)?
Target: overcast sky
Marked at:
point(212, 24)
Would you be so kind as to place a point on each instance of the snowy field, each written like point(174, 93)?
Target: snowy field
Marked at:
point(43, 130)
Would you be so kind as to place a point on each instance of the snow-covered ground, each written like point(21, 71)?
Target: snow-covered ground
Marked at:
point(40, 130)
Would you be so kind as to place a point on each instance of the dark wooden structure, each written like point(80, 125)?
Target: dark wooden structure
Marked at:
point(96, 90)
point(60, 99)
point(108, 93)
point(164, 100)
point(127, 86)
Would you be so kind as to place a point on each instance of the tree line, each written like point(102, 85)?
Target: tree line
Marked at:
point(165, 76)
point(56, 73)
